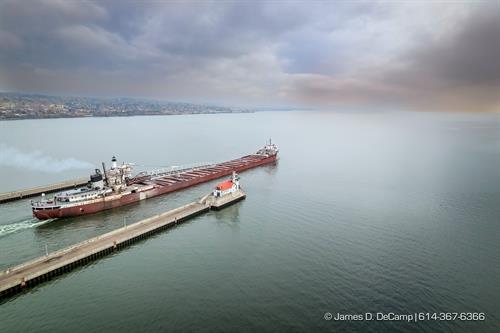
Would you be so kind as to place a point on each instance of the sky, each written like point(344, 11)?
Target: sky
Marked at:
point(338, 55)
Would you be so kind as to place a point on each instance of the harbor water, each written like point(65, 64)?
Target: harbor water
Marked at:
point(380, 212)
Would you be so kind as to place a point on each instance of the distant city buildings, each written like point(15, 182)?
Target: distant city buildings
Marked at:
point(28, 106)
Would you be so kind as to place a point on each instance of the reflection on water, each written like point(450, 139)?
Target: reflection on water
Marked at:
point(229, 215)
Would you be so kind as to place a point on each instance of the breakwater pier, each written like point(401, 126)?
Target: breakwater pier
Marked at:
point(29, 274)
point(34, 191)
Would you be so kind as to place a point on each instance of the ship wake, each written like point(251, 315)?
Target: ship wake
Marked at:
point(8, 229)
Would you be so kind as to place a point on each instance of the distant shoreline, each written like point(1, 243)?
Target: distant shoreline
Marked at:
point(123, 116)
point(21, 106)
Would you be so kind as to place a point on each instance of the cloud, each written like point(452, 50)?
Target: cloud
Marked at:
point(470, 56)
point(9, 41)
point(40, 16)
point(326, 54)
point(94, 44)
point(456, 70)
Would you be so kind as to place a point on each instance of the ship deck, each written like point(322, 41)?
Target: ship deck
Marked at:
point(172, 178)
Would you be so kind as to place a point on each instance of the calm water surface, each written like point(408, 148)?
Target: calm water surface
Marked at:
point(365, 212)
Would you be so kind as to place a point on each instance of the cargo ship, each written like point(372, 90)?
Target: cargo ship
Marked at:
point(117, 187)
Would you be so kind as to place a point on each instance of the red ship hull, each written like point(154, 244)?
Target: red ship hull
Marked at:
point(162, 185)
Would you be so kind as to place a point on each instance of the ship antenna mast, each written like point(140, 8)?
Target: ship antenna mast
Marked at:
point(105, 176)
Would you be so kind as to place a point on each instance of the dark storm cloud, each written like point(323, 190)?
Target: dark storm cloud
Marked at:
point(460, 70)
point(36, 23)
point(208, 29)
point(110, 33)
point(152, 49)
point(471, 56)
point(325, 54)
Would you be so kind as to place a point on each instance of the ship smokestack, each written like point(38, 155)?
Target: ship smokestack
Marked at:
point(113, 163)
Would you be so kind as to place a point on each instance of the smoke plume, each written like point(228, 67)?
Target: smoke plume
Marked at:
point(38, 161)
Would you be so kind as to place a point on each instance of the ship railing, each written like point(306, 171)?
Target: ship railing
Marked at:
point(42, 203)
point(178, 169)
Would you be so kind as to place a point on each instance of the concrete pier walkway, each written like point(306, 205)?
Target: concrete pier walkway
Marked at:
point(29, 274)
point(34, 191)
